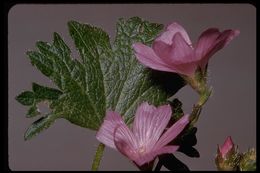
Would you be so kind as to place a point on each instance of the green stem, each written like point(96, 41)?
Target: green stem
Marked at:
point(98, 157)
point(204, 96)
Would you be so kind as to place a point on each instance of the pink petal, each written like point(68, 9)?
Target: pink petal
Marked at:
point(187, 68)
point(227, 146)
point(143, 114)
point(172, 132)
point(221, 41)
point(180, 51)
point(147, 57)
point(163, 51)
point(227, 36)
point(149, 123)
point(126, 142)
point(179, 56)
point(206, 40)
point(151, 156)
point(177, 53)
point(172, 29)
point(105, 133)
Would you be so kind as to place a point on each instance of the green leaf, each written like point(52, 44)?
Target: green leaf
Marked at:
point(32, 112)
point(38, 126)
point(32, 98)
point(106, 77)
point(45, 93)
point(26, 98)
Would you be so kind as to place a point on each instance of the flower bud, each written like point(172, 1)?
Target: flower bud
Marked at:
point(226, 148)
point(227, 158)
point(248, 161)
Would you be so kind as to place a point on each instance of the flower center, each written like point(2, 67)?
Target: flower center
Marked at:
point(141, 149)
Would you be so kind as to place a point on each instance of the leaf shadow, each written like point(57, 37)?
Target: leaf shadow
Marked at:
point(171, 83)
point(170, 162)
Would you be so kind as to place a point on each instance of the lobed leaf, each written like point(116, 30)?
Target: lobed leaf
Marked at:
point(107, 76)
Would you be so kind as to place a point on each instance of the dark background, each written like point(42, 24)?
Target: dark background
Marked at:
point(231, 109)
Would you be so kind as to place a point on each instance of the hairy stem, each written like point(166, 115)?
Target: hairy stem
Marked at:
point(98, 157)
point(204, 96)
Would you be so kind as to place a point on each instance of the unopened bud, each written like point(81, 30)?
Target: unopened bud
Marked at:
point(248, 161)
point(227, 158)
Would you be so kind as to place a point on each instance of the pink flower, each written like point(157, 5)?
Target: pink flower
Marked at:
point(172, 51)
point(226, 147)
point(144, 141)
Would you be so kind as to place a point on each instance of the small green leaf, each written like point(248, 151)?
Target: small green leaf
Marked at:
point(39, 93)
point(38, 126)
point(32, 112)
point(26, 98)
point(45, 93)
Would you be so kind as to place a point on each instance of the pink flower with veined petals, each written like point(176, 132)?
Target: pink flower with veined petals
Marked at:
point(145, 140)
point(172, 51)
point(226, 147)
